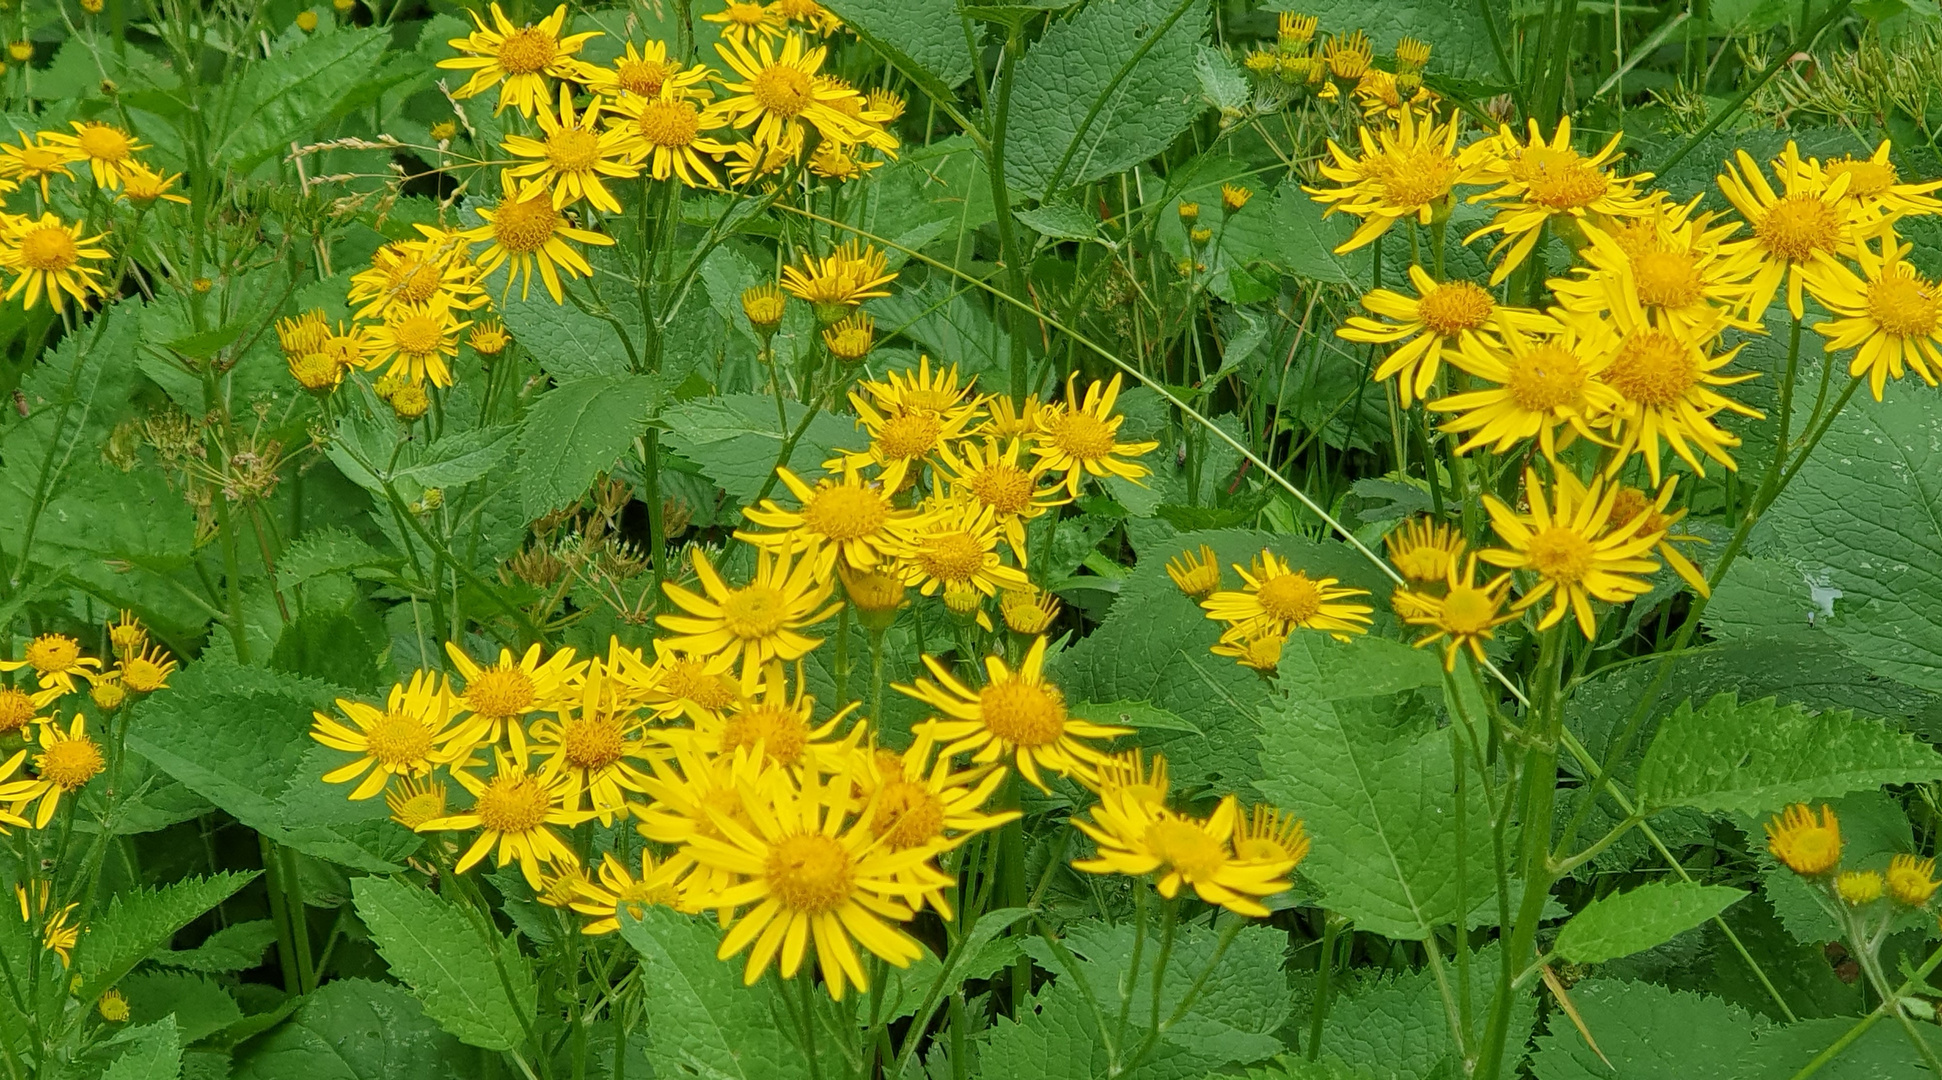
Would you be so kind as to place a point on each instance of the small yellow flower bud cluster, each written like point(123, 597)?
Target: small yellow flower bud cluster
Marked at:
point(1811, 847)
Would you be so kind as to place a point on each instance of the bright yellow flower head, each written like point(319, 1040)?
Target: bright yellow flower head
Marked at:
point(498, 696)
point(590, 742)
point(1632, 503)
point(779, 96)
point(921, 803)
point(417, 340)
point(57, 935)
point(759, 622)
point(404, 273)
point(955, 547)
point(1858, 888)
point(1568, 540)
point(1542, 383)
point(414, 800)
point(1195, 574)
point(1080, 437)
point(842, 517)
point(911, 418)
point(1667, 381)
point(411, 736)
point(525, 230)
point(1808, 847)
point(520, 813)
point(1808, 218)
point(56, 660)
point(1676, 269)
point(808, 14)
point(851, 274)
point(572, 156)
point(1874, 185)
point(108, 150)
point(1454, 315)
point(1269, 835)
point(679, 683)
point(47, 256)
point(147, 671)
point(67, 760)
point(1465, 616)
point(144, 186)
point(1137, 838)
point(36, 161)
point(1424, 551)
point(1409, 171)
point(1889, 315)
point(618, 888)
point(518, 60)
point(775, 723)
point(991, 476)
point(1539, 182)
point(746, 21)
point(1277, 600)
point(1029, 611)
point(668, 132)
point(642, 73)
point(1911, 881)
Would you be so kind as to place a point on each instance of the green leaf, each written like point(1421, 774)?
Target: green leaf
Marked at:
point(154, 1053)
point(200, 1007)
point(701, 1020)
point(1393, 1025)
point(353, 1029)
point(567, 342)
point(462, 458)
point(139, 922)
point(449, 963)
point(1652, 914)
point(576, 431)
point(1648, 1033)
point(1059, 219)
point(236, 947)
point(1140, 715)
point(1760, 756)
point(328, 551)
point(1059, 1037)
point(288, 97)
point(1296, 239)
point(734, 439)
point(1079, 62)
point(925, 39)
point(1882, 1052)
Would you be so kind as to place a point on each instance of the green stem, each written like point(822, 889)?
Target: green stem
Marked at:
point(1324, 978)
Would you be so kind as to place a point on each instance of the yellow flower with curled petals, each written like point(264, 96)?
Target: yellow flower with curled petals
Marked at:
point(1138, 839)
point(1542, 182)
point(1808, 218)
point(618, 888)
point(517, 812)
point(1195, 574)
point(1277, 599)
point(1808, 846)
point(1889, 316)
point(840, 518)
point(1542, 383)
point(573, 155)
point(1405, 172)
point(525, 232)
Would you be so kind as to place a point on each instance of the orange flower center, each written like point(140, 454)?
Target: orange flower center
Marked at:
point(668, 123)
point(690, 679)
point(1798, 226)
point(1082, 435)
point(842, 512)
point(779, 728)
point(783, 90)
point(500, 692)
point(414, 280)
point(1420, 177)
point(572, 149)
point(1667, 277)
point(52, 654)
point(513, 803)
point(1867, 177)
point(908, 435)
point(1548, 377)
point(908, 815)
point(1185, 846)
point(1903, 304)
point(1456, 306)
point(16, 708)
point(592, 742)
point(399, 739)
point(102, 143)
point(951, 556)
point(69, 763)
point(1560, 554)
point(526, 51)
point(1653, 368)
point(48, 248)
point(1023, 713)
point(1291, 598)
point(418, 333)
point(523, 226)
point(755, 612)
point(811, 874)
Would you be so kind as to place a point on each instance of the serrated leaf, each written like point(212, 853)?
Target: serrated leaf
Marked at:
point(287, 96)
point(1302, 242)
point(576, 431)
point(1760, 756)
point(1392, 1025)
point(567, 342)
point(1648, 1033)
point(139, 922)
point(1654, 913)
point(925, 39)
point(154, 1053)
point(1058, 1037)
point(701, 1020)
point(448, 962)
point(200, 1007)
point(323, 552)
point(1140, 715)
point(460, 459)
point(1060, 219)
point(353, 1029)
point(735, 439)
point(236, 947)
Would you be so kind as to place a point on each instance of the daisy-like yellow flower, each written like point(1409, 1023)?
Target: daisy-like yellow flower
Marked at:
point(1632, 503)
point(1808, 847)
point(779, 97)
point(775, 722)
point(1677, 267)
point(57, 935)
point(690, 792)
point(517, 59)
point(1858, 888)
point(67, 760)
point(415, 800)
point(842, 517)
point(1424, 551)
point(955, 546)
point(48, 256)
point(747, 21)
point(1080, 437)
point(1667, 382)
point(1029, 611)
point(667, 132)
point(1391, 97)
point(642, 73)
point(517, 811)
point(1571, 543)
point(1278, 600)
point(911, 417)
point(525, 230)
point(751, 161)
point(410, 737)
point(17, 710)
point(56, 660)
point(36, 161)
point(1889, 315)
point(1257, 649)
point(499, 695)
point(1017, 716)
point(147, 671)
point(1452, 315)
point(990, 476)
point(572, 156)
point(1137, 838)
point(836, 161)
point(759, 622)
point(620, 888)
point(415, 272)
point(680, 683)
point(1268, 835)
point(1348, 56)
point(1408, 171)
point(589, 743)
point(1006, 419)
point(1196, 575)
point(127, 635)
point(925, 804)
point(811, 872)
point(1875, 186)
point(851, 274)
point(1542, 383)
point(1911, 881)
point(143, 186)
point(417, 340)
point(1465, 616)
point(108, 150)
point(1809, 217)
point(1130, 773)
point(809, 14)
point(1539, 182)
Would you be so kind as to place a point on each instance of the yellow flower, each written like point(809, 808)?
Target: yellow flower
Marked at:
point(1269, 835)
point(811, 872)
point(655, 887)
point(498, 696)
point(909, 418)
point(851, 339)
point(17, 709)
point(57, 935)
point(779, 95)
point(1409, 171)
point(1006, 419)
point(1137, 838)
point(666, 132)
point(759, 622)
point(126, 635)
point(411, 736)
point(746, 21)
point(147, 671)
point(878, 595)
point(1018, 716)
point(1424, 551)
point(842, 517)
point(113, 1007)
point(414, 801)
point(1195, 574)
point(56, 660)
point(955, 546)
point(1632, 502)
point(573, 156)
point(67, 761)
point(1295, 29)
point(108, 150)
point(47, 255)
point(812, 16)
point(488, 337)
point(680, 683)
point(417, 339)
point(1666, 379)
point(1875, 185)
point(316, 372)
point(1806, 846)
point(1080, 437)
point(1911, 881)
point(1412, 55)
point(144, 186)
point(12, 793)
point(642, 73)
point(404, 273)
point(1278, 600)
point(764, 306)
point(1858, 888)
point(1539, 182)
point(1889, 314)
point(1129, 774)
point(774, 723)
point(1542, 383)
point(1454, 315)
point(1465, 616)
point(690, 794)
point(1029, 611)
point(589, 743)
point(107, 693)
point(36, 160)
point(303, 334)
point(851, 274)
point(992, 477)
point(1808, 217)
point(1233, 197)
point(522, 57)
point(1388, 96)
point(525, 230)
point(1566, 540)
point(1348, 55)
point(1679, 270)
point(928, 805)
point(517, 811)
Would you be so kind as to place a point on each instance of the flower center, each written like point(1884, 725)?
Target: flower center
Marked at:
point(641, 892)
point(48, 248)
point(523, 226)
point(1866, 177)
point(415, 280)
point(1666, 277)
point(1548, 377)
point(782, 90)
point(572, 149)
point(1185, 846)
point(1291, 598)
point(1264, 652)
point(1452, 308)
point(1798, 226)
point(743, 14)
point(951, 557)
point(143, 675)
point(419, 808)
point(16, 708)
point(1815, 847)
point(592, 742)
point(51, 654)
point(691, 680)
point(1561, 554)
point(526, 51)
point(1568, 187)
point(500, 692)
point(810, 873)
point(1005, 488)
point(513, 803)
point(418, 333)
point(1259, 849)
point(1423, 176)
point(1023, 713)
point(842, 512)
point(755, 612)
point(399, 739)
point(643, 77)
point(1652, 368)
point(1904, 305)
point(908, 435)
point(102, 143)
point(780, 729)
point(668, 123)
point(1082, 435)
point(908, 815)
point(70, 763)
point(1468, 610)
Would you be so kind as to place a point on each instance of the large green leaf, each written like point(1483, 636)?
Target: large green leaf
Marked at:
point(1654, 913)
point(138, 923)
point(701, 1020)
point(567, 342)
point(1106, 53)
point(925, 39)
point(735, 439)
point(1059, 1037)
point(353, 1029)
point(200, 1007)
point(578, 430)
point(1760, 756)
point(1883, 1052)
point(1394, 1026)
point(286, 97)
point(154, 1052)
point(448, 961)
point(1647, 1032)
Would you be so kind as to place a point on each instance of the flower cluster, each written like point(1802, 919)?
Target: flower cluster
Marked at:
point(1810, 845)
